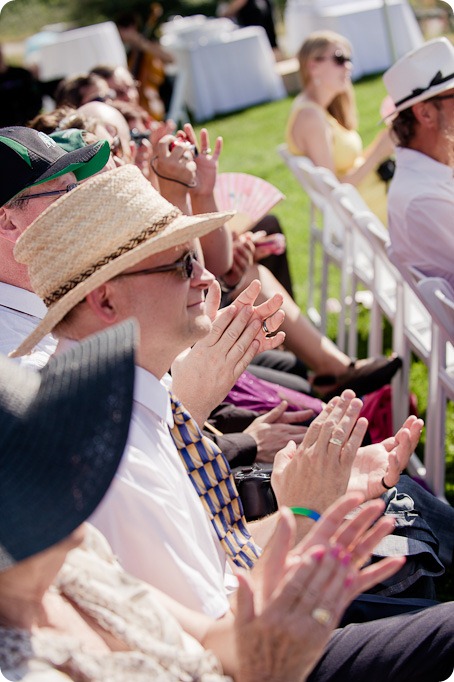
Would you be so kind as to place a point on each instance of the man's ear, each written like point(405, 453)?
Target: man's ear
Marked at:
point(9, 231)
point(426, 114)
point(102, 303)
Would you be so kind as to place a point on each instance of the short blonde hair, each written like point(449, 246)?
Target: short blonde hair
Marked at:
point(343, 107)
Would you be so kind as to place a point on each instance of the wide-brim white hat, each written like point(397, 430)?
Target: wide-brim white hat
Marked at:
point(104, 226)
point(421, 74)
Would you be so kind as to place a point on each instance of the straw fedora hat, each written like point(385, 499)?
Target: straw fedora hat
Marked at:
point(109, 223)
point(63, 431)
point(422, 73)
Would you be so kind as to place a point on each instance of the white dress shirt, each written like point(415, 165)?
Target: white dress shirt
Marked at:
point(420, 214)
point(20, 313)
point(152, 515)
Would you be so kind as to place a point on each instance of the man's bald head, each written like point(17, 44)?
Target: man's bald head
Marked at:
point(115, 123)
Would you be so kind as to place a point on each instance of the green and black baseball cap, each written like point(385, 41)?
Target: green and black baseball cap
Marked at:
point(29, 158)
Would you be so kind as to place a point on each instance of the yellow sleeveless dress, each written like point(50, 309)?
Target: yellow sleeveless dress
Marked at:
point(347, 154)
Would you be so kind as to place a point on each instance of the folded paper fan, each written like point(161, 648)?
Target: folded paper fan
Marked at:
point(249, 195)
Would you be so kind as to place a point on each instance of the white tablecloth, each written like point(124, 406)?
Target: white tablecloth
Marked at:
point(222, 72)
point(363, 22)
point(78, 51)
point(190, 29)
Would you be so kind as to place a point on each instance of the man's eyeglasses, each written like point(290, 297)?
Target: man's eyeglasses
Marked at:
point(185, 267)
point(52, 193)
point(338, 58)
point(441, 97)
point(138, 137)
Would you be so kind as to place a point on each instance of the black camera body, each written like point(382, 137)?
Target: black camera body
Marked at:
point(254, 488)
point(386, 170)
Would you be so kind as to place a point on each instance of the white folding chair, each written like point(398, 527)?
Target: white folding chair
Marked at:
point(325, 231)
point(359, 260)
point(438, 296)
point(423, 336)
point(387, 302)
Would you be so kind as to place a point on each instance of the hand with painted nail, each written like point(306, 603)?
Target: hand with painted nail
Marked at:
point(173, 163)
point(317, 472)
point(292, 601)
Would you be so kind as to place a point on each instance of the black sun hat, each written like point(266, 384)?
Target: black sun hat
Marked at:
point(62, 434)
point(29, 157)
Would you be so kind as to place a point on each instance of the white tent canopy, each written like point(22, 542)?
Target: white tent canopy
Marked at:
point(380, 31)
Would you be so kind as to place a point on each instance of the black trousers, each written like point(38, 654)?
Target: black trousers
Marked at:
point(417, 647)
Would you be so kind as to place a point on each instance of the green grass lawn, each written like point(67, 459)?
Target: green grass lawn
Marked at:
point(251, 138)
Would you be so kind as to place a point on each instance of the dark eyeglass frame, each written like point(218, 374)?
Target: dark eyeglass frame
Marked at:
point(441, 97)
point(185, 266)
point(137, 137)
point(51, 193)
point(338, 58)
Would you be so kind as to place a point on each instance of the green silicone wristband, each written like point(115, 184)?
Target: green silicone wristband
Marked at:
point(302, 511)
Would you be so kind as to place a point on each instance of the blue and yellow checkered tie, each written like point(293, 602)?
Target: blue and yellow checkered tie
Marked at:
point(210, 474)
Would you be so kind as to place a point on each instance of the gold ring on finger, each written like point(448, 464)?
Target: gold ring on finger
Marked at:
point(321, 616)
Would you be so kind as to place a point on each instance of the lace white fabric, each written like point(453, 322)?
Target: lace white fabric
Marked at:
point(125, 607)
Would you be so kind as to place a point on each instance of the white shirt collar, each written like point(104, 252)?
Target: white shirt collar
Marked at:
point(153, 394)
point(21, 300)
point(408, 158)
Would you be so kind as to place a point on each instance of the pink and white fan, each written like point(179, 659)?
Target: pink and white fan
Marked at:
point(249, 195)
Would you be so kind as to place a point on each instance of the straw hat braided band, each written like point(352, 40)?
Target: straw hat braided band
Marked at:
point(98, 230)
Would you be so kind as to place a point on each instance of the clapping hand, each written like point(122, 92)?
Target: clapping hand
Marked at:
point(316, 473)
point(287, 610)
point(384, 462)
point(203, 375)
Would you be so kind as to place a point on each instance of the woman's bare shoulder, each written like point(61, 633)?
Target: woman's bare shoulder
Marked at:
point(308, 108)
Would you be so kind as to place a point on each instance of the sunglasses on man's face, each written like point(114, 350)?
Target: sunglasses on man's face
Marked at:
point(338, 58)
point(442, 97)
point(138, 137)
point(185, 267)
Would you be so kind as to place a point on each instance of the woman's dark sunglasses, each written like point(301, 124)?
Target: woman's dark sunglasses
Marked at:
point(185, 267)
point(338, 58)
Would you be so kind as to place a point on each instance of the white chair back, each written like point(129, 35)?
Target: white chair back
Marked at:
point(428, 306)
point(439, 298)
point(326, 236)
